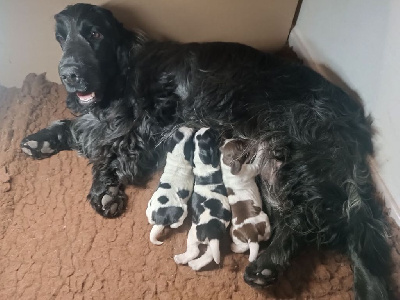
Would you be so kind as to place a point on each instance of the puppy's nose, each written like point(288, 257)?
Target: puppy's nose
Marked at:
point(69, 75)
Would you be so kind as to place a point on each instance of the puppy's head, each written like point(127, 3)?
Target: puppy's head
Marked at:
point(235, 153)
point(91, 40)
point(206, 147)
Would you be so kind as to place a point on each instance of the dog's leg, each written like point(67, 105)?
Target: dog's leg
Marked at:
point(202, 261)
point(49, 141)
point(106, 194)
point(239, 248)
point(192, 248)
point(264, 270)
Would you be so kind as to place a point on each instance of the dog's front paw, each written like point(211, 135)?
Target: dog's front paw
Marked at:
point(260, 273)
point(110, 204)
point(37, 147)
point(181, 259)
point(48, 141)
point(41, 144)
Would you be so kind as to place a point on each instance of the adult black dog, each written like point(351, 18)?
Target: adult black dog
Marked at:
point(132, 92)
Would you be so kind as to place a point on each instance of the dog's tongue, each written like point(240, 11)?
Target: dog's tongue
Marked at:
point(85, 97)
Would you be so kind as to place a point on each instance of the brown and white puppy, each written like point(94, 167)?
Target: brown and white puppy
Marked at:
point(168, 205)
point(210, 208)
point(250, 224)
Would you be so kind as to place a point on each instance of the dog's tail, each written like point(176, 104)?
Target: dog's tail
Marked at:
point(254, 247)
point(367, 243)
point(155, 233)
point(214, 246)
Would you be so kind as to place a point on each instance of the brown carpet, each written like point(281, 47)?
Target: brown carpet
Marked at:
point(54, 246)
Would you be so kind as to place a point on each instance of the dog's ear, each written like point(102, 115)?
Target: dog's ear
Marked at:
point(209, 155)
point(188, 150)
point(214, 156)
point(208, 148)
point(175, 139)
point(122, 57)
point(236, 166)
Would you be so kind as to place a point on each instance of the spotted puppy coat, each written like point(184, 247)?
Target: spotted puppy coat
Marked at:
point(168, 205)
point(250, 224)
point(211, 211)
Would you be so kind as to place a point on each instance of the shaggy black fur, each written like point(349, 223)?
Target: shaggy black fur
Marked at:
point(144, 89)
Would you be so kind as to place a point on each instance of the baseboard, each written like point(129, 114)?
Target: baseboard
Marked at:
point(305, 52)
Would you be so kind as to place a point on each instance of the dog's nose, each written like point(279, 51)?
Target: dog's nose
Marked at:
point(69, 75)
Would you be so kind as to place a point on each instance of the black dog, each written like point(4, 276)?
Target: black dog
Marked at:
point(133, 92)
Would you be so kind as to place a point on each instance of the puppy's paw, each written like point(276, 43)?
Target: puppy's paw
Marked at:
point(110, 204)
point(201, 262)
point(260, 274)
point(196, 264)
point(180, 259)
point(183, 259)
point(239, 248)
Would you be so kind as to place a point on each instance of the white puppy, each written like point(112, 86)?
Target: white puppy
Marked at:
point(168, 205)
point(211, 211)
point(250, 224)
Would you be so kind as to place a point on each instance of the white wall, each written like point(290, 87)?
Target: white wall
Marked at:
point(359, 40)
point(27, 41)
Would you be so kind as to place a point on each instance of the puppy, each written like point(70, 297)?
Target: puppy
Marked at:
point(211, 211)
point(250, 224)
point(168, 205)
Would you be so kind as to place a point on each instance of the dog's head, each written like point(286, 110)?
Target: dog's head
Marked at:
point(94, 55)
point(235, 153)
point(206, 147)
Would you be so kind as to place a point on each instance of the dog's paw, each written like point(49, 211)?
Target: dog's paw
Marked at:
point(239, 248)
point(198, 264)
point(258, 274)
point(180, 259)
point(42, 144)
point(48, 141)
point(110, 204)
point(183, 259)
point(37, 148)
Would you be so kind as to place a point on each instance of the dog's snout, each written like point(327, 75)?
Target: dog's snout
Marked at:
point(69, 74)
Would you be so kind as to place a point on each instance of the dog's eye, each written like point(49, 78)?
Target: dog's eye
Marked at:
point(95, 35)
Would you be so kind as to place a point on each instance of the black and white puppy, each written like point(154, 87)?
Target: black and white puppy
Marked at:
point(211, 211)
point(168, 205)
point(250, 224)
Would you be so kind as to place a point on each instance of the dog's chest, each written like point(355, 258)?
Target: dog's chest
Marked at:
point(95, 137)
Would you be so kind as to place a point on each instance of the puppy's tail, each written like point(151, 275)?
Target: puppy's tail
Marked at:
point(155, 233)
point(214, 246)
point(254, 247)
point(367, 244)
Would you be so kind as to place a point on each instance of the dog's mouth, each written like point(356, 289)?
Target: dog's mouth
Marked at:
point(85, 97)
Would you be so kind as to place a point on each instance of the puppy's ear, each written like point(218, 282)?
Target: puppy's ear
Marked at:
point(236, 166)
point(215, 155)
point(213, 147)
point(208, 148)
